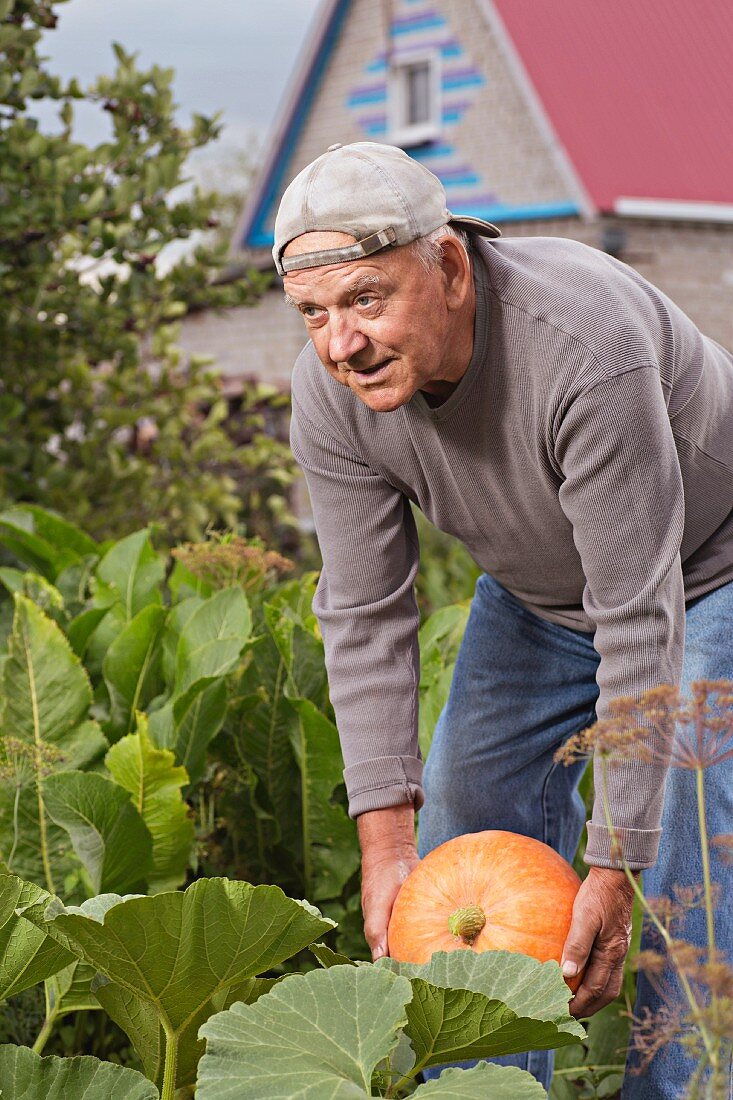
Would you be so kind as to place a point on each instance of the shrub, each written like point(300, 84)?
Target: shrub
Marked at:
point(100, 416)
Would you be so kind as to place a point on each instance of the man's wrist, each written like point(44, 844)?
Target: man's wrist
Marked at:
point(390, 830)
point(615, 876)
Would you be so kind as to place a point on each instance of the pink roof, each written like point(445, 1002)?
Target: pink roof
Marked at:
point(640, 92)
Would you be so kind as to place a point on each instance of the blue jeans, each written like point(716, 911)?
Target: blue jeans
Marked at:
point(521, 687)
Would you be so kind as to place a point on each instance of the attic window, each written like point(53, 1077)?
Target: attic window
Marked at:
point(414, 99)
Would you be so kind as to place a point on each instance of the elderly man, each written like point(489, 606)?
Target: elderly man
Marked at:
point(571, 426)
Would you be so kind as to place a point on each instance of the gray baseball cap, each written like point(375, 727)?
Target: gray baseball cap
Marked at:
point(377, 193)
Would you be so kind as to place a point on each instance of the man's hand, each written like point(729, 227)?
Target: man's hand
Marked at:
point(599, 937)
point(388, 854)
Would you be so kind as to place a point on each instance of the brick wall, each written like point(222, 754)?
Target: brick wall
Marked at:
point(262, 340)
point(692, 264)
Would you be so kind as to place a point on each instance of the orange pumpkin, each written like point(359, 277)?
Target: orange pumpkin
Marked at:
point(490, 891)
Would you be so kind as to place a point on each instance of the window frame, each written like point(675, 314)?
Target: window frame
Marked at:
point(400, 131)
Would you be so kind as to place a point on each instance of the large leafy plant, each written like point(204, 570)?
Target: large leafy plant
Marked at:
point(179, 968)
point(367, 1030)
point(164, 964)
point(34, 1078)
point(205, 672)
point(91, 653)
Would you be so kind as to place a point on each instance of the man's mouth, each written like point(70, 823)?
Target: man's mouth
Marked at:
point(371, 374)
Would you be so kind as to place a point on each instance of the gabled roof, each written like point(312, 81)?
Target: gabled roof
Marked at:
point(636, 95)
point(639, 92)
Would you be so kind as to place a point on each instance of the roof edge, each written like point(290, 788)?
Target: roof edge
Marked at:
point(294, 104)
point(674, 209)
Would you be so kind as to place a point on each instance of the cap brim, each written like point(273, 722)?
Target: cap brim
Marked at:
point(474, 225)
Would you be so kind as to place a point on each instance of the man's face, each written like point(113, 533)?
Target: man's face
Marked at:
point(382, 325)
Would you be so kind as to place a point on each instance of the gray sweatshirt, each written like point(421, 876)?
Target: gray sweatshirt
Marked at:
point(585, 460)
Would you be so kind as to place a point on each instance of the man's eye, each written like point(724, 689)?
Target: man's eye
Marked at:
point(365, 299)
point(310, 311)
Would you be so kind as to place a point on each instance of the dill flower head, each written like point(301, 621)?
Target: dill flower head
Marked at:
point(21, 762)
point(660, 727)
point(723, 843)
point(617, 736)
point(226, 560)
point(651, 1032)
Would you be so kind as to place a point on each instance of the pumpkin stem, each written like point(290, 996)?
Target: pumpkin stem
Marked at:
point(467, 922)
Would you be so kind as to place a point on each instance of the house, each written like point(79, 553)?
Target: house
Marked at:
point(610, 122)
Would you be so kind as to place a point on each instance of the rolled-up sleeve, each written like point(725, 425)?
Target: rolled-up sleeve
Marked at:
point(623, 494)
point(366, 608)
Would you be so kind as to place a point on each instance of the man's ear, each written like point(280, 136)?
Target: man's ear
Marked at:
point(456, 272)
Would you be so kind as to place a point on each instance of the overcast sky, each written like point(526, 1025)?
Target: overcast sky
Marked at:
point(229, 55)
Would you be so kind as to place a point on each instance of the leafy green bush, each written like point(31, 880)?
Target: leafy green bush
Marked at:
point(204, 669)
point(130, 678)
point(122, 666)
point(100, 417)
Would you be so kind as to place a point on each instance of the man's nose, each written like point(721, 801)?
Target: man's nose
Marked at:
point(344, 341)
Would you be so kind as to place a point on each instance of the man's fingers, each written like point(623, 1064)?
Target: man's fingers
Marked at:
point(580, 939)
point(376, 910)
point(382, 876)
point(375, 934)
point(601, 984)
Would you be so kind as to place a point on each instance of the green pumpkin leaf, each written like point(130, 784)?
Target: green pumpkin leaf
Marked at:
point(141, 1022)
point(316, 1034)
point(107, 832)
point(154, 781)
point(132, 669)
point(70, 990)
point(30, 1077)
point(470, 1004)
point(326, 957)
point(528, 987)
point(175, 958)
point(27, 954)
point(483, 1082)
